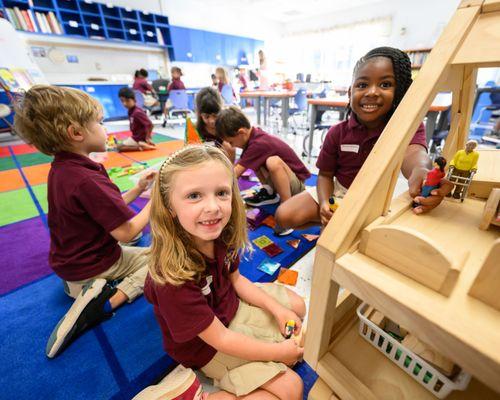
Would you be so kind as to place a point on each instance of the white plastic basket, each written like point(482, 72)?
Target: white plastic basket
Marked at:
point(420, 370)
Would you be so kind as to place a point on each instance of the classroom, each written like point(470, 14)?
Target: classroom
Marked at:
point(234, 199)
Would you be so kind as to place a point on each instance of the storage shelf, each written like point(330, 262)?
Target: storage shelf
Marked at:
point(355, 369)
point(444, 322)
point(107, 18)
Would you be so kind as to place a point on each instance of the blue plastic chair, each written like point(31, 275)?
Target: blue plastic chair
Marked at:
point(300, 108)
point(179, 107)
point(227, 94)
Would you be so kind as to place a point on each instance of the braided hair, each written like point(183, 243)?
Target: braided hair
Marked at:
point(401, 65)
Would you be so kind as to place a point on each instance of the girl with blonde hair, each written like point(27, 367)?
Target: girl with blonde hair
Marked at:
point(211, 317)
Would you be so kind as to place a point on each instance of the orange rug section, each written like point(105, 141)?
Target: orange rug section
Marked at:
point(162, 150)
point(10, 180)
point(37, 174)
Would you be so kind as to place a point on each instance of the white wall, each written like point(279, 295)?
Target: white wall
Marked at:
point(422, 20)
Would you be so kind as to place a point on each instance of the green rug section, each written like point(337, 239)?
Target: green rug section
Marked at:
point(7, 163)
point(124, 183)
point(27, 160)
point(41, 195)
point(157, 138)
point(16, 205)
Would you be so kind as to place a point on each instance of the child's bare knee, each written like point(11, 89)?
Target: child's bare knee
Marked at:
point(293, 386)
point(282, 216)
point(274, 162)
point(297, 303)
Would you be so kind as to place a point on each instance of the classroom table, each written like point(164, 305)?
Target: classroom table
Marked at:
point(284, 96)
point(339, 104)
point(254, 94)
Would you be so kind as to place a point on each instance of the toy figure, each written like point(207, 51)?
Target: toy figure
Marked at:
point(434, 177)
point(111, 143)
point(462, 168)
point(289, 328)
point(333, 204)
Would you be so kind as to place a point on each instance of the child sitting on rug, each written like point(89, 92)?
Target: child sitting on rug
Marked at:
point(208, 105)
point(87, 213)
point(140, 125)
point(278, 168)
point(211, 317)
point(380, 80)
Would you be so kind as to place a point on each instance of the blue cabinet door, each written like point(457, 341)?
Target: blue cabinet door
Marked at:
point(231, 47)
point(198, 46)
point(214, 47)
point(181, 40)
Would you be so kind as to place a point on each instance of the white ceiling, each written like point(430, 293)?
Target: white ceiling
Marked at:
point(286, 10)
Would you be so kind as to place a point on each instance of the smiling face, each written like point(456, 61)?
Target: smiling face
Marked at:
point(201, 201)
point(371, 94)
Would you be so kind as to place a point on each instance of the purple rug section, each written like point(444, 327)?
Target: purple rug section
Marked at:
point(24, 247)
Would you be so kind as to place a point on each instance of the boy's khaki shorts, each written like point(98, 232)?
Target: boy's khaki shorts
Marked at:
point(296, 185)
point(239, 376)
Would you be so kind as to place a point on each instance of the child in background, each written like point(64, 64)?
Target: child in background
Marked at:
point(176, 83)
point(279, 169)
point(141, 82)
point(87, 213)
point(211, 317)
point(140, 125)
point(223, 79)
point(380, 80)
point(215, 82)
point(208, 104)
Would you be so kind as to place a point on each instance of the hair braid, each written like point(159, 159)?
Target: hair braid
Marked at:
point(401, 65)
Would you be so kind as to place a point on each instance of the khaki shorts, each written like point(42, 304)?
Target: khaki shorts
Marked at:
point(339, 191)
point(131, 268)
point(296, 185)
point(130, 142)
point(239, 376)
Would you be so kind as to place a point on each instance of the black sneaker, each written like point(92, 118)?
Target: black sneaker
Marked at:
point(262, 198)
point(87, 311)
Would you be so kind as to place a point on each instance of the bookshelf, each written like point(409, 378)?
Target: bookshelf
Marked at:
point(417, 57)
point(86, 19)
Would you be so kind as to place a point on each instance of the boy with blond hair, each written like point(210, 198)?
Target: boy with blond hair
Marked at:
point(87, 213)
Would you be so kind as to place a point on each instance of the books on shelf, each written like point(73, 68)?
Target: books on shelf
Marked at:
point(29, 21)
point(159, 35)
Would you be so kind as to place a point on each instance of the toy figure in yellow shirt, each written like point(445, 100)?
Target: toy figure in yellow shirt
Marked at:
point(464, 164)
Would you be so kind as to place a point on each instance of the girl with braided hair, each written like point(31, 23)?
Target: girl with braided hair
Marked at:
point(380, 81)
point(212, 317)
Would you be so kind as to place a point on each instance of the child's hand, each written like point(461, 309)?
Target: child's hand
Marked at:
point(283, 315)
point(325, 213)
point(146, 180)
point(290, 352)
point(437, 195)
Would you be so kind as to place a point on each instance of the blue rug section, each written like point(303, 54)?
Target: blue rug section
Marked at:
point(118, 358)
point(115, 360)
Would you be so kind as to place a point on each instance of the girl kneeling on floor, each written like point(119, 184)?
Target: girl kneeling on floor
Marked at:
point(211, 317)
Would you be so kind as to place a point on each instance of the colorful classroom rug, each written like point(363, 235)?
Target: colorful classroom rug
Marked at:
point(121, 356)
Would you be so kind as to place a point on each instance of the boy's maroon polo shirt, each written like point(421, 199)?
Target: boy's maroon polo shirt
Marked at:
point(261, 146)
point(140, 124)
point(84, 206)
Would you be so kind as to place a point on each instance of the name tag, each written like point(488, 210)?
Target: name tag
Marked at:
point(206, 289)
point(351, 148)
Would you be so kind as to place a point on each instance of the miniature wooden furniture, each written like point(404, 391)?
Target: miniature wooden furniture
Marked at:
point(431, 273)
point(491, 210)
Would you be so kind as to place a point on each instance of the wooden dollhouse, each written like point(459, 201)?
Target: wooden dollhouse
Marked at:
point(438, 274)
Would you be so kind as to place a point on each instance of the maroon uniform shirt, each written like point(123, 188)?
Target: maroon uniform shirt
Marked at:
point(142, 85)
point(184, 311)
point(84, 206)
point(347, 146)
point(140, 124)
point(176, 84)
point(261, 146)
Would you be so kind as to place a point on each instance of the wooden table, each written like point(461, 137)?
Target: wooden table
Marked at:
point(340, 103)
